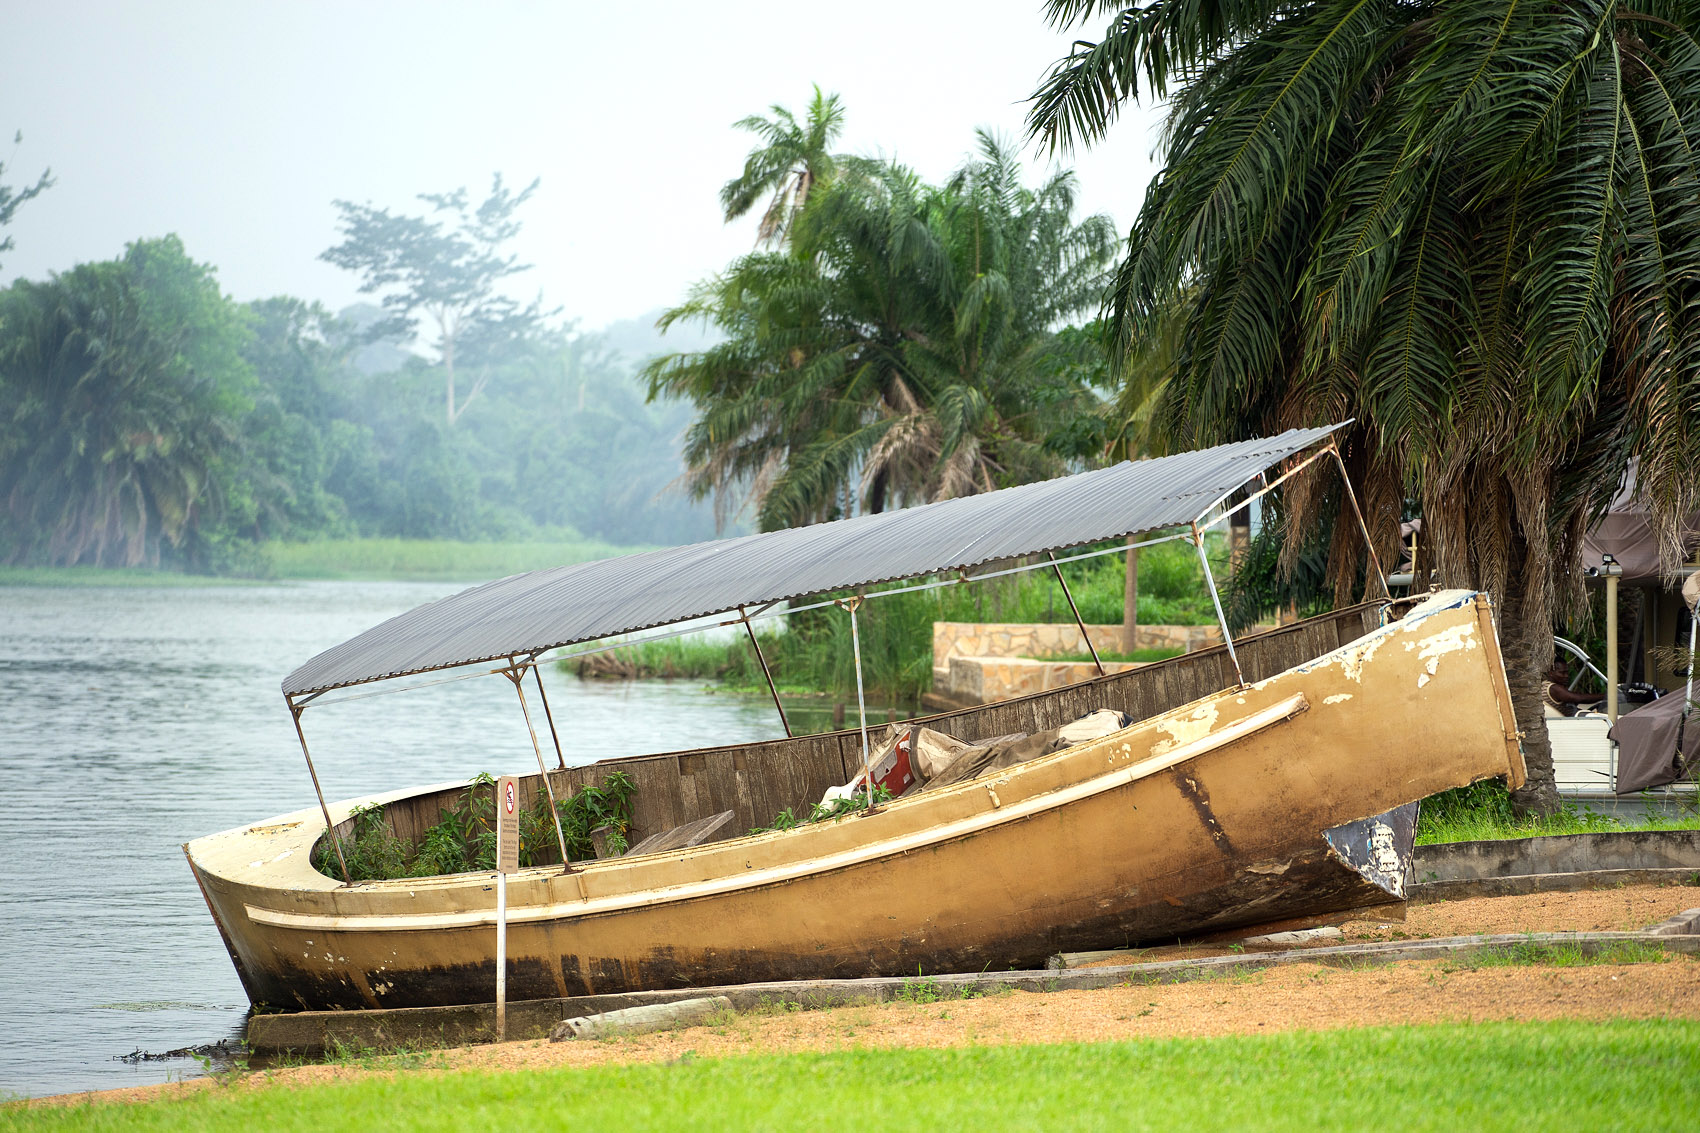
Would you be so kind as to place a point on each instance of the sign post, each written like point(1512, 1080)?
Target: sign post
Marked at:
point(507, 861)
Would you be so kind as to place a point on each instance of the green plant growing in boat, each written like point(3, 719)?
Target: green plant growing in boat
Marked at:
point(598, 806)
point(463, 839)
point(786, 820)
point(372, 850)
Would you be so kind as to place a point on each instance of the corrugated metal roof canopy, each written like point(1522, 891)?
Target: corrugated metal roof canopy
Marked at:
point(528, 613)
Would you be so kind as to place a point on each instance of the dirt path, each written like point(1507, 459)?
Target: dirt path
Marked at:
point(1293, 997)
point(1628, 909)
point(1600, 910)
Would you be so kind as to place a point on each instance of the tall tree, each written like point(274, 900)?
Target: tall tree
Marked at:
point(12, 199)
point(446, 267)
point(795, 157)
point(1472, 225)
point(122, 386)
point(896, 349)
point(297, 434)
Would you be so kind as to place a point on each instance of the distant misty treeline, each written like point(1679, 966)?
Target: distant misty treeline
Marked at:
point(146, 418)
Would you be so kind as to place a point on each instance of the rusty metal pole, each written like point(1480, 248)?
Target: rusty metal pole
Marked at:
point(1369, 544)
point(1075, 610)
point(295, 711)
point(548, 715)
point(765, 671)
point(1216, 600)
point(516, 673)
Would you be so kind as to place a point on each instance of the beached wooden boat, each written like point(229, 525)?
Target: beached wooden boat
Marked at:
point(1265, 786)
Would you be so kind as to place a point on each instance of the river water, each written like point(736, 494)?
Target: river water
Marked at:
point(132, 720)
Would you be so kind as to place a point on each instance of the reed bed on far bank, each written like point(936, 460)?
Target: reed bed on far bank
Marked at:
point(427, 559)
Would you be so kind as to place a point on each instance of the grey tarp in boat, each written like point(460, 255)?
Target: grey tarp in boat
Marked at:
point(1646, 743)
point(525, 614)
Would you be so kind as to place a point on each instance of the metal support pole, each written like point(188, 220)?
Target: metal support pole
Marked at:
point(1216, 600)
point(548, 715)
point(516, 673)
point(330, 828)
point(861, 704)
point(1611, 641)
point(1688, 697)
point(756, 645)
point(501, 956)
point(1369, 544)
point(1075, 610)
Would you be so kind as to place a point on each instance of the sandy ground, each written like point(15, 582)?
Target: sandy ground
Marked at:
point(1299, 996)
point(1628, 909)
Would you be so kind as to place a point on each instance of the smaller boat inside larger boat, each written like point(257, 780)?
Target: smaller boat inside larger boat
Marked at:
point(1265, 781)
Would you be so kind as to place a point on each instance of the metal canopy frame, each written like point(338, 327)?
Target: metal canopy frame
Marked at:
point(516, 665)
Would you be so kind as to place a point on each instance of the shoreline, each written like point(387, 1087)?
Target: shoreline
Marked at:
point(340, 560)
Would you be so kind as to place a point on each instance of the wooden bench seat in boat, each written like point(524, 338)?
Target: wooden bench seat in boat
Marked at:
point(710, 829)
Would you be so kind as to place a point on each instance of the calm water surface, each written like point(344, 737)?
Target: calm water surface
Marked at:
point(134, 720)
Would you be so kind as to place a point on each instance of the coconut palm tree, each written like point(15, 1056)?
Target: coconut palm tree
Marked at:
point(795, 158)
point(1472, 225)
point(897, 349)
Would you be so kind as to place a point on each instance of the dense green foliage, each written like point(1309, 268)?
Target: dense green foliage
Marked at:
point(1489, 1076)
point(147, 419)
point(463, 840)
point(123, 388)
point(899, 344)
point(1272, 576)
point(1472, 226)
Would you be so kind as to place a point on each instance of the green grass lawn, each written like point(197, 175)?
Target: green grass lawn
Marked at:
point(1483, 813)
point(1568, 1075)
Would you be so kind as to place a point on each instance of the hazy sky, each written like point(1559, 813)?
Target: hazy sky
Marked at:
point(236, 124)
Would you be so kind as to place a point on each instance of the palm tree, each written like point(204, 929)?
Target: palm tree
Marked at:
point(897, 349)
point(121, 389)
point(1474, 226)
point(794, 159)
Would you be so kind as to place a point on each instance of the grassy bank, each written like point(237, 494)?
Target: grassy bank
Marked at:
point(109, 578)
point(426, 559)
point(1569, 1075)
point(1483, 812)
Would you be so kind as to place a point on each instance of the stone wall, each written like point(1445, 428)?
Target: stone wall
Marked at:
point(983, 680)
point(982, 662)
point(1048, 639)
